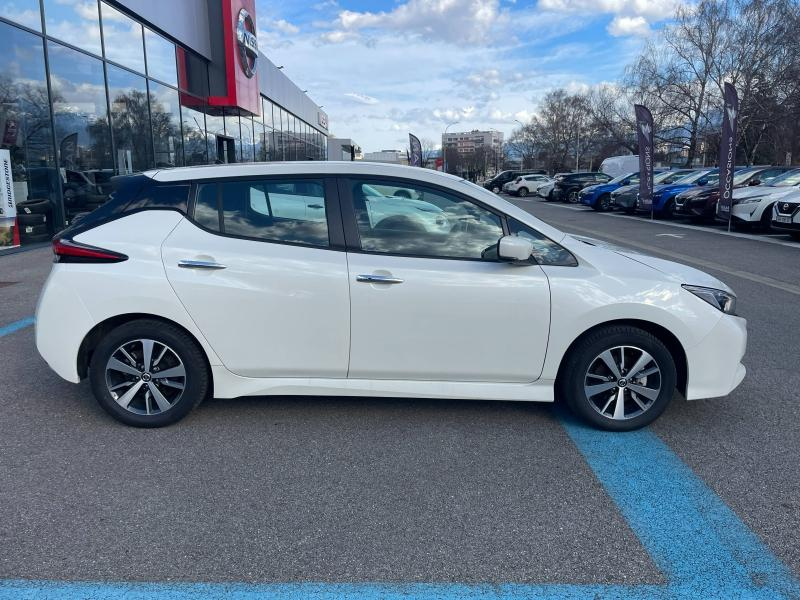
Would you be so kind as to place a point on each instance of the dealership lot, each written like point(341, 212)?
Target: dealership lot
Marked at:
point(377, 492)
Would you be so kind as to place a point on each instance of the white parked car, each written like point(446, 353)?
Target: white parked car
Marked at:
point(253, 279)
point(525, 184)
point(786, 215)
point(754, 205)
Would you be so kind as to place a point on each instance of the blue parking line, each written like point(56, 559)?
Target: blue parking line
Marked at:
point(16, 326)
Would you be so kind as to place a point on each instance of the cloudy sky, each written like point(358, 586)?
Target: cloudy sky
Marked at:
point(382, 68)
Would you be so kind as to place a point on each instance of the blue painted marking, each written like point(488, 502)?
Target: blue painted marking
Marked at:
point(703, 550)
point(16, 326)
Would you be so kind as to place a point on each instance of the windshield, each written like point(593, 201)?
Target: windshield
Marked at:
point(695, 177)
point(742, 176)
point(671, 176)
point(787, 179)
point(622, 178)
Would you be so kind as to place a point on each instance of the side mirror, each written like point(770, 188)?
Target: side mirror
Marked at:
point(755, 182)
point(514, 248)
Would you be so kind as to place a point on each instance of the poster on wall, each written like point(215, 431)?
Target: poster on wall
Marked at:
point(8, 207)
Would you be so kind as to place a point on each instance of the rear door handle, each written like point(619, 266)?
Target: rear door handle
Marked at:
point(200, 264)
point(388, 279)
point(315, 206)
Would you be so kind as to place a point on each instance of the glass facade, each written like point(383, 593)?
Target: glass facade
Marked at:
point(88, 92)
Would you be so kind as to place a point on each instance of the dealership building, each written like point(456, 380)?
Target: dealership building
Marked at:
point(90, 89)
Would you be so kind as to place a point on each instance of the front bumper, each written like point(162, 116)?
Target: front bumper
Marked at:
point(624, 200)
point(714, 366)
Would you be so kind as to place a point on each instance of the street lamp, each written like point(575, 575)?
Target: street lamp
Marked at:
point(444, 151)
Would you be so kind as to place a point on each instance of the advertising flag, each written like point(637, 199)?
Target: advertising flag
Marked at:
point(415, 160)
point(644, 131)
point(727, 151)
point(8, 207)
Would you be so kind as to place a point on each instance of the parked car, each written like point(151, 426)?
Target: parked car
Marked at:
point(191, 282)
point(786, 215)
point(495, 184)
point(568, 185)
point(545, 190)
point(626, 197)
point(524, 184)
point(599, 196)
point(700, 203)
point(620, 165)
point(753, 205)
point(664, 194)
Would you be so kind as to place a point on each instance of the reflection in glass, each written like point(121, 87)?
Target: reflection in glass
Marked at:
point(122, 38)
point(193, 74)
point(130, 120)
point(25, 129)
point(160, 58)
point(24, 12)
point(166, 121)
point(76, 22)
point(261, 147)
point(215, 126)
point(195, 146)
point(232, 130)
point(246, 125)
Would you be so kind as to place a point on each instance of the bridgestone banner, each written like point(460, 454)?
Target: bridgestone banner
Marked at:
point(8, 207)
point(415, 158)
point(727, 151)
point(644, 131)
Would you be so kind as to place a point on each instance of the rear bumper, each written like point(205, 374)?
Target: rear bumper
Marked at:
point(714, 365)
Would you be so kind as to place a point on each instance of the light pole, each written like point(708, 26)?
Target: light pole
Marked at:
point(522, 161)
point(444, 150)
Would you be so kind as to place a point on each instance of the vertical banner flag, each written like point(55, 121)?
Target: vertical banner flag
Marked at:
point(8, 208)
point(644, 130)
point(415, 160)
point(727, 151)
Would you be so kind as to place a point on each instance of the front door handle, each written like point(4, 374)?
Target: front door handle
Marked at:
point(388, 279)
point(200, 264)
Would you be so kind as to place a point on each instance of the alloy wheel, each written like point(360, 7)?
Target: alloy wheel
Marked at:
point(145, 377)
point(622, 382)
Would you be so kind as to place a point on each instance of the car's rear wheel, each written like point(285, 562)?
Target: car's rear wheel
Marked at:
point(522, 192)
point(618, 378)
point(496, 189)
point(572, 197)
point(147, 373)
point(603, 203)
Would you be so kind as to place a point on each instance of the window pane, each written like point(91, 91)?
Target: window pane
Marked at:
point(122, 38)
point(215, 126)
point(24, 12)
point(401, 219)
point(25, 129)
point(206, 212)
point(165, 115)
point(77, 22)
point(267, 112)
point(195, 147)
point(286, 211)
point(130, 120)
point(233, 130)
point(193, 73)
point(246, 124)
point(545, 250)
point(160, 58)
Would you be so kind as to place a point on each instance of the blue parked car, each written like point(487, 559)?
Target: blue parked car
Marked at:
point(599, 196)
point(664, 195)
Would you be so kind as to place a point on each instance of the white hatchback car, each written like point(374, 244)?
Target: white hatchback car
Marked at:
point(526, 184)
point(338, 278)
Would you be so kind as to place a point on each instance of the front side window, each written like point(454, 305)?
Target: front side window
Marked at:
point(271, 210)
point(398, 218)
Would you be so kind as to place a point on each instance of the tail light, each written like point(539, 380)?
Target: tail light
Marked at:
point(70, 251)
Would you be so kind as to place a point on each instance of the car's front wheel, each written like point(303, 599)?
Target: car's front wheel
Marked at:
point(522, 192)
point(147, 373)
point(618, 378)
point(496, 189)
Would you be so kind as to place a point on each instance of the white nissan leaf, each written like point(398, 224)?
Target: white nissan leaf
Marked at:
point(338, 278)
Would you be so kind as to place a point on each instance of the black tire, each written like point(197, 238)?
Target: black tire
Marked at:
point(766, 220)
point(550, 196)
point(31, 219)
point(572, 197)
point(630, 211)
point(30, 207)
point(795, 235)
point(522, 192)
point(496, 189)
point(603, 203)
point(33, 230)
point(197, 382)
point(35, 239)
point(583, 357)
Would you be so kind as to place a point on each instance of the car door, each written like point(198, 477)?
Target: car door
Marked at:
point(265, 282)
point(429, 300)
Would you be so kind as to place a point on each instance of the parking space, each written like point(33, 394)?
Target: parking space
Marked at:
point(379, 498)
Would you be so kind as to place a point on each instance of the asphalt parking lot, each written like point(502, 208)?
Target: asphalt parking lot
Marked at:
point(376, 498)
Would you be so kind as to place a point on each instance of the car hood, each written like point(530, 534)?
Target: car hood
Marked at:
point(676, 272)
point(672, 187)
point(764, 190)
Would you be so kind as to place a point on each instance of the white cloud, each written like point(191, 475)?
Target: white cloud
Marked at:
point(362, 98)
point(284, 26)
point(622, 26)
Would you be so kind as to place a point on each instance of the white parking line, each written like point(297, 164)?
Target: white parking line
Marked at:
point(754, 238)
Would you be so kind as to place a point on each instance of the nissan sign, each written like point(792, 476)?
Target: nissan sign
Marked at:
point(247, 43)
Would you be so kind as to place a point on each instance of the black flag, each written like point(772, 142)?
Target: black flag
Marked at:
point(415, 160)
point(644, 130)
point(727, 151)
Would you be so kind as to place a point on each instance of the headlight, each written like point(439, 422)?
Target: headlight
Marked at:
point(751, 200)
point(720, 299)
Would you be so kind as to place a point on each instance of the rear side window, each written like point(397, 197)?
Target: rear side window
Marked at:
point(292, 211)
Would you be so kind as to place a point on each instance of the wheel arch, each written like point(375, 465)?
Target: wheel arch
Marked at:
point(96, 333)
point(663, 334)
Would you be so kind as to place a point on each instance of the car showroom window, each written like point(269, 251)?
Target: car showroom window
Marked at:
point(396, 218)
point(545, 250)
point(270, 210)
